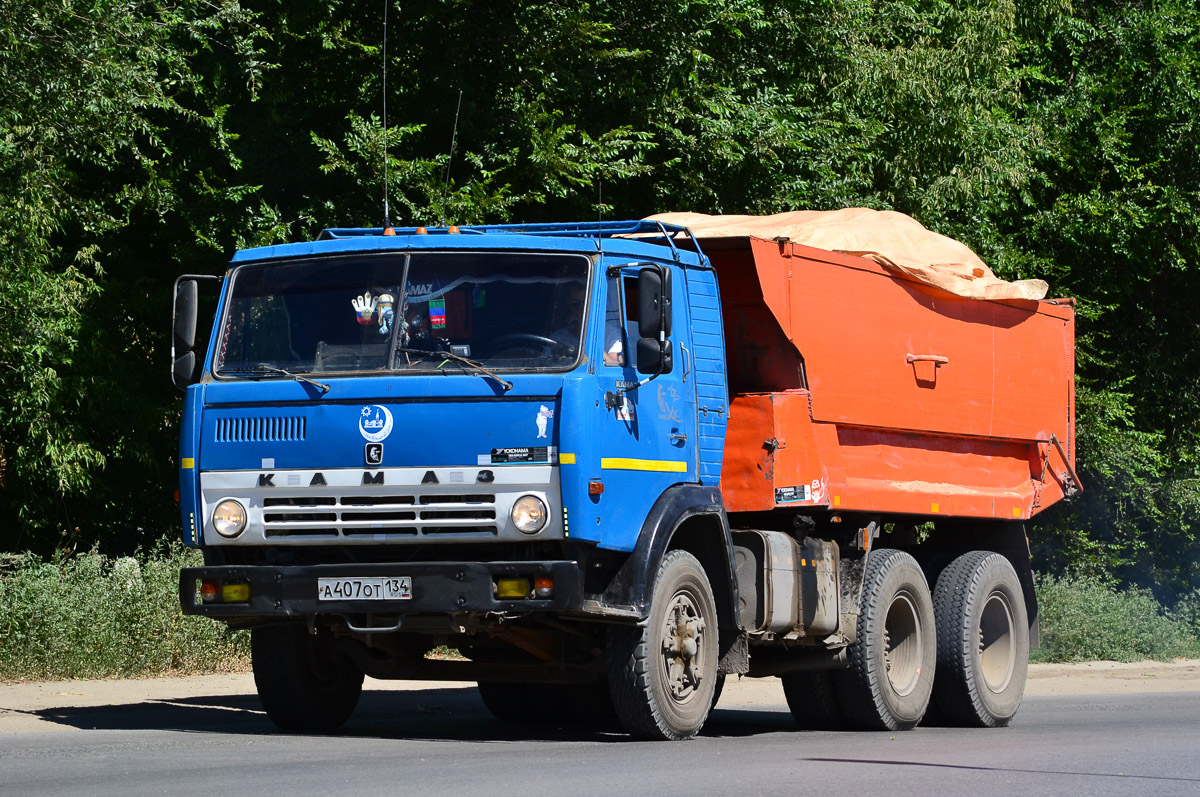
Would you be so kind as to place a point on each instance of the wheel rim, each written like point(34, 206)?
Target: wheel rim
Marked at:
point(902, 644)
point(682, 648)
point(997, 650)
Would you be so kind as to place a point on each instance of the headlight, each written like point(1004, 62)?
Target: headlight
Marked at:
point(229, 518)
point(529, 514)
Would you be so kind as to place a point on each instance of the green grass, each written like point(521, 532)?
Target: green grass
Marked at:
point(90, 616)
point(1085, 620)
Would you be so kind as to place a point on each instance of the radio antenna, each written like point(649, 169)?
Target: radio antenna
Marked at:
point(387, 220)
point(453, 135)
point(599, 213)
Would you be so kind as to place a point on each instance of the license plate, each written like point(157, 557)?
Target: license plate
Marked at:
point(384, 588)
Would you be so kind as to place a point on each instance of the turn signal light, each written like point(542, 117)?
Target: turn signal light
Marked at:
point(235, 593)
point(595, 487)
point(543, 587)
point(209, 590)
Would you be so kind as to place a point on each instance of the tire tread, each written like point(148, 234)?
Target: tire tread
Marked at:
point(629, 670)
point(958, 590)
point(859, 687)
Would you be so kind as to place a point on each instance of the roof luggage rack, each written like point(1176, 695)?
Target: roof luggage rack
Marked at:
point(576, 229)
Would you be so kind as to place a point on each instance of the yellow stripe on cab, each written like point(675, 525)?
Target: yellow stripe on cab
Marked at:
point(660, 465)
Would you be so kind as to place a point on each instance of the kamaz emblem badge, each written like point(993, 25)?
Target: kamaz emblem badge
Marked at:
point(373, 453)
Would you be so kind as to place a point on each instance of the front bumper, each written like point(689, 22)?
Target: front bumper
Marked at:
point(437, 587)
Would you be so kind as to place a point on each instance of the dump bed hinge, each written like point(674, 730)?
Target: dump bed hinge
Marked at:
point(1075, 486)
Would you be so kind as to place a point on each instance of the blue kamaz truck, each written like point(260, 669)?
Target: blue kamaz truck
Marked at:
point(550, 448)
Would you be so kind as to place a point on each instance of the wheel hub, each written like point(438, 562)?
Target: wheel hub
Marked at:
point(996, 648)
point(682, 631)
point(902, 650)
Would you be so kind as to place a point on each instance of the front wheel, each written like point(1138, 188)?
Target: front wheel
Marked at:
point(304, 682)
point(663, 674)
point(983, 641)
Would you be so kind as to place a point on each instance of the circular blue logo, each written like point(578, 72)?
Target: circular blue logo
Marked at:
point(375, 422)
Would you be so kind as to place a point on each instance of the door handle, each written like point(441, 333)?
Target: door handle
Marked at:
point(679, 438)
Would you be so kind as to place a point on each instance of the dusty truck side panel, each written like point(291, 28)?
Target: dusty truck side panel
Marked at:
point(889, 396)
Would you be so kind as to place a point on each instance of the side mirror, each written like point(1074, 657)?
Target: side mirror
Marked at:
point(183, 372)
point(654, 302)
point(183, 329)
point(653, 358)
point(184, 320)
point(183, 333)
point(654, 321)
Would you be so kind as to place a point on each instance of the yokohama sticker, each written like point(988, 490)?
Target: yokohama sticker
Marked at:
point(511, 456)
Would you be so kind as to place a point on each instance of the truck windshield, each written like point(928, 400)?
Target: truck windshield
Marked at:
point(401, 313)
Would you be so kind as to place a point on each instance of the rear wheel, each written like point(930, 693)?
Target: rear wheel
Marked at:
point(888, 683)
point(304, 682)
point(514, 702)
point(813, 700)
point(663, 674)
point(983, 641)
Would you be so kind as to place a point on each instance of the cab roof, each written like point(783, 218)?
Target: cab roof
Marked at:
point(636, 239)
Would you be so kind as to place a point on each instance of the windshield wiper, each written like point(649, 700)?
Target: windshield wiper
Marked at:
point(458, 358)
point(324, 388)
point(263, 368)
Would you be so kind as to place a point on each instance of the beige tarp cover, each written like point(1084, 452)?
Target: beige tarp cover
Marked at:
point(896, 241)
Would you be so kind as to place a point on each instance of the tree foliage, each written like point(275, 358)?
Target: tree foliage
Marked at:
point(100, 107)
point(142, 139)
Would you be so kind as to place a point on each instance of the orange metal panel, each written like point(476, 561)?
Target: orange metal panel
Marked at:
point(917, 401)
point(769, 445)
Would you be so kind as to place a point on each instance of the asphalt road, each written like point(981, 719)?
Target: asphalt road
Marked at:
point(442, 741)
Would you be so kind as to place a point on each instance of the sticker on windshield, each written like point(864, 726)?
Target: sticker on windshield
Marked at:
point(370, 309)
point(375, 422)
point(387, 313)
point(364, 308)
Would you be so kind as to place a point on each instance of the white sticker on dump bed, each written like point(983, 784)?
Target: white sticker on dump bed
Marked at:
point(784, 495)
point(818, 491)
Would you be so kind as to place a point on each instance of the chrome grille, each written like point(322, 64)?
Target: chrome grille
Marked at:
point(389, 515)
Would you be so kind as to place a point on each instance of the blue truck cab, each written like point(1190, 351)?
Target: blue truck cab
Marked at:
point(478, 436)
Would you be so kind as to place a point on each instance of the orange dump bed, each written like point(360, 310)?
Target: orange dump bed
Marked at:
point(855, 389)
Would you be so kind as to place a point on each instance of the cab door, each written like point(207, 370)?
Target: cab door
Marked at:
point(647, 433)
